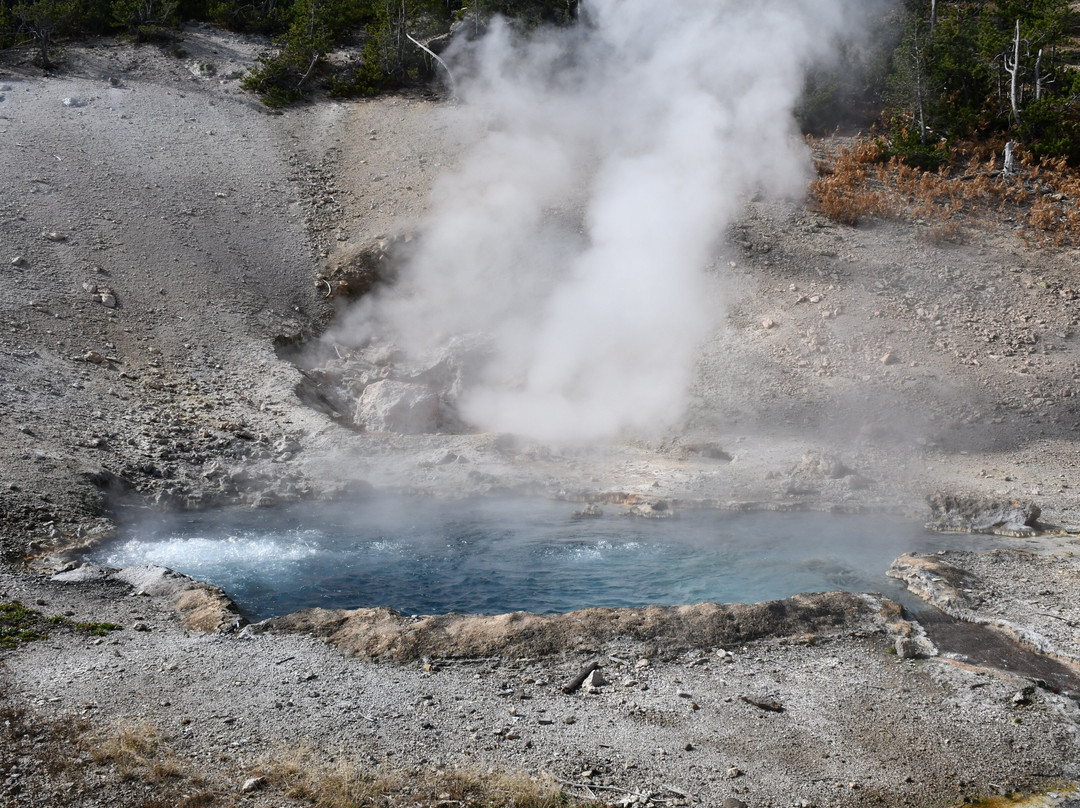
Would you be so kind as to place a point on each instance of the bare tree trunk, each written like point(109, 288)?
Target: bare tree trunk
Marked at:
point(316, 54)
point(43, 50)
point(1013, 70)
point(439, 60)
point(919, 92)
point(933, 16)
point(1040, 77)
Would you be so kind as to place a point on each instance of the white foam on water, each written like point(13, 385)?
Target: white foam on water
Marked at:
point(195, 552)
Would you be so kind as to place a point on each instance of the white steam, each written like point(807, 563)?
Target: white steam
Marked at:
point(576, 232)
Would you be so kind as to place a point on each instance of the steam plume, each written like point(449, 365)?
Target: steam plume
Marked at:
point(576, 231)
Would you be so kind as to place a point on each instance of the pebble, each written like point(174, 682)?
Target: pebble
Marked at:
point(732, 802)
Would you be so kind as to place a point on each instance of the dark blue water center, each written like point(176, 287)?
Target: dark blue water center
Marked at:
point(423, 556)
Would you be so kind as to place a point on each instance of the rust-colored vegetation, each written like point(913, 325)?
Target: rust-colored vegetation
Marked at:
point(1039, 200)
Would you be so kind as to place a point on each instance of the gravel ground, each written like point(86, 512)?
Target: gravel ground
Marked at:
point(171, 232)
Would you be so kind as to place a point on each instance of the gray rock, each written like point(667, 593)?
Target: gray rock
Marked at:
point(710, 450)
point(402, 407)
point(821, 464)
point(87, 572)
point(594, 681)
point(978, 514)
point(915, 648)
point(592, 511)
point(1022, 698)
point(652, 510)
point(252, 784)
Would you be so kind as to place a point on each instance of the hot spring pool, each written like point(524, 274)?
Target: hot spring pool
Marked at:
point(481, 556)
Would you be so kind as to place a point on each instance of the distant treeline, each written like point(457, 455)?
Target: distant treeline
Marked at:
point(304, 33)
point(932, 74)
point(938, 74)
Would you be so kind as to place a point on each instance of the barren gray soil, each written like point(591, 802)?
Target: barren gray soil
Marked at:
point(162, 237)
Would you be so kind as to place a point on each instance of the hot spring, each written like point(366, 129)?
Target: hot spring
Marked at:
point(423, 556)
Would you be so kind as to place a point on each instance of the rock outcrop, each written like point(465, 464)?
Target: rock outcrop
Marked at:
point(402, 407)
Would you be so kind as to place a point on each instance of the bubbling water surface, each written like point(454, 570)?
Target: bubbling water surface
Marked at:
point(425, 556)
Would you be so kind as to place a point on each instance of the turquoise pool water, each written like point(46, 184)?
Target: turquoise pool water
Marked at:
point(422, 556)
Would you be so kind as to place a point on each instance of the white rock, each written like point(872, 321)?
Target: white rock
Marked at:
point(594, 681)
point(403, 407)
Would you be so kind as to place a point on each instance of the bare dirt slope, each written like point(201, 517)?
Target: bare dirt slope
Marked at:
point(163, 236)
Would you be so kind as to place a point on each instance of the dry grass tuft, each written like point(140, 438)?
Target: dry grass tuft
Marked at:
point(138, 752)
point(1039, 200)
point(69, 762)
point(330, 781)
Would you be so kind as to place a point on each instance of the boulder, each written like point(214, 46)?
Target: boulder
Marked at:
point(919, 647)
point(822, 465)
point(403, 407)
point(980, 514)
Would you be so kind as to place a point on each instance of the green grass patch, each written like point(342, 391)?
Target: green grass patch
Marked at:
point(98, 629)
point(21, 624)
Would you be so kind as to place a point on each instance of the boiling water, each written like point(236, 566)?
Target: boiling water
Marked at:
point(481, 556)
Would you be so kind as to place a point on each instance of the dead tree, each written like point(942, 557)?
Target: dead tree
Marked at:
point(439, 60)
point(1040, 77)
point(1013, 69)
point(1010, 159)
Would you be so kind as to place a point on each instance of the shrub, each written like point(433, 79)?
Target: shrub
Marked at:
point(907, 144)
point(146, 20)
point(259, 16)
point(1051, 128)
